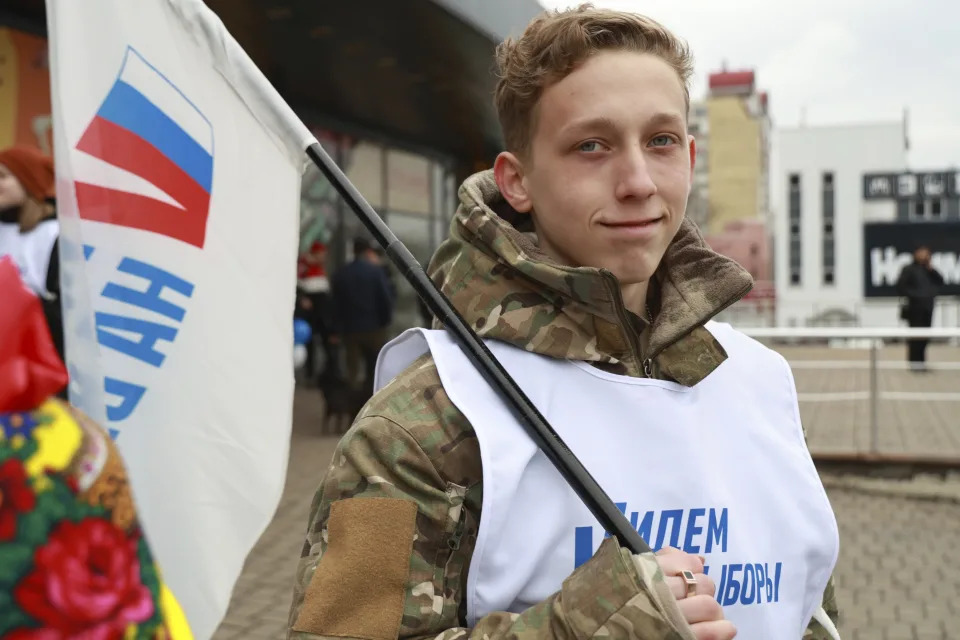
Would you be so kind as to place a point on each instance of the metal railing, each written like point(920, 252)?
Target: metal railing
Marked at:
point(868, 338)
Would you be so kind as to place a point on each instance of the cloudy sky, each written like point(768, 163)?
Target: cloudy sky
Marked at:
point(838, 61)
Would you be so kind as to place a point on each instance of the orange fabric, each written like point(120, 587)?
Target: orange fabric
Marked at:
point(33, 169)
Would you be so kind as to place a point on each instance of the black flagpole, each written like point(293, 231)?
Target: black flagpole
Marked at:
point(593, 496)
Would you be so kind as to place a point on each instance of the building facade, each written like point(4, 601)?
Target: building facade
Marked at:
point(698, 204)
point(848, 214)
point(738, 158)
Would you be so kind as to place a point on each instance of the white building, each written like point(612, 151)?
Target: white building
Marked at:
point(820, 211)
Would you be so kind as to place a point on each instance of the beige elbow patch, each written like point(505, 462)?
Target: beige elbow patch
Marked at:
point(357, 590)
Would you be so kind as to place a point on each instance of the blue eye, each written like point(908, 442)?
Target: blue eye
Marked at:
point(662, 141)
point(590, 146)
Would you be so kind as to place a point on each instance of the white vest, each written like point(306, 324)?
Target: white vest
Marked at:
point(31, 252)
point(719, 469)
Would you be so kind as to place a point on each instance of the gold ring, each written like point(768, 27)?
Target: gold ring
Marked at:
point(691, 581)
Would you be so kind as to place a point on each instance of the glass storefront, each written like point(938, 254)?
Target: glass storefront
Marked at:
point(413, 193)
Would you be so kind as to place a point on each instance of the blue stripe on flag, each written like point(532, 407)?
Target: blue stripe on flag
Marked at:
point(128, 108)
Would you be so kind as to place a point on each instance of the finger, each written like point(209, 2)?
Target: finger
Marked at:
point(700, 609)
point(706, 586)
point(678, 586)
point(717, 630)
point(674, 550)
point(674, 561)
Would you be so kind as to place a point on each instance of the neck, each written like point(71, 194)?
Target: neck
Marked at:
point(32, 213)
point(634, 295)
point(635, 298)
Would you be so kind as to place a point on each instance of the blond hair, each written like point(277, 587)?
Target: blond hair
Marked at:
point(556, 43)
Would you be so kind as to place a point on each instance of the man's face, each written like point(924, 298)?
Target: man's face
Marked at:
point(610, 166)
point(12, 193)
point(923, 256)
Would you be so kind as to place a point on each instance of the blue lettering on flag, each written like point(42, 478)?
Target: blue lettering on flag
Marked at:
point(150, 299)
point(130, 395)
point(143, 349)
point(132, 333)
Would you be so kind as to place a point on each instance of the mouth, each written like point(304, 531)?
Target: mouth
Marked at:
point(634, 227)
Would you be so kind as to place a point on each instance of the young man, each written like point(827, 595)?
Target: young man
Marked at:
point(438, 517)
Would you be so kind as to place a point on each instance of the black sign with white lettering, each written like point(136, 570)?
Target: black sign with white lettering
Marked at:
point(889, 246)
point(911, 186)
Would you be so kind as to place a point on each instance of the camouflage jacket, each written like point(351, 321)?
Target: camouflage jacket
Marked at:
point(393, 525)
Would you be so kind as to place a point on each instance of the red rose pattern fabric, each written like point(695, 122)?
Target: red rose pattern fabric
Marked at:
point(16, 496)
point(86, 581)
point(72, 567)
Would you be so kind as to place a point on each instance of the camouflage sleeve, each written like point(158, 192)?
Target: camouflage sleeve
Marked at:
point(815, 630)
point(392, 530)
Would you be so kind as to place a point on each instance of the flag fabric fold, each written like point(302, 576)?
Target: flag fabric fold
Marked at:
point(178, 175)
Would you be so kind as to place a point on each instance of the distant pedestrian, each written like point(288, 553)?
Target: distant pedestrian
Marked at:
point(919, 283)
point(362, 313)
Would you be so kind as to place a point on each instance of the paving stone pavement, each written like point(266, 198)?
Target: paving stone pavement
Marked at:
point(895, 579)
point(917, 413)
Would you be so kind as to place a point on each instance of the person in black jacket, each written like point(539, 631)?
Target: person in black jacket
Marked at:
point(919, 283)
point(362, 312)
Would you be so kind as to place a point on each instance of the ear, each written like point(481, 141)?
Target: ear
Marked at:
point(693, 154)
point(508, 172)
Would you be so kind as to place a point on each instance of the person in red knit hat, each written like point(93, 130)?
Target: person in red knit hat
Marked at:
point(29, 230)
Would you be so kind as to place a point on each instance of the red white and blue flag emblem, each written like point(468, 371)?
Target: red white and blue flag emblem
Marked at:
point(149, 128)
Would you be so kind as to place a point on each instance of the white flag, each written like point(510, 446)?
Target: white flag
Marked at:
point(178, 176)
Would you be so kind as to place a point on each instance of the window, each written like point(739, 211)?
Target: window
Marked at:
point(795, 246)
point(919, 210)
point(828, 257)
point(829, 241)
point(936, 208)
point(904, 210)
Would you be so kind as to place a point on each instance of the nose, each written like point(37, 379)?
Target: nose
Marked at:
point(634, 179)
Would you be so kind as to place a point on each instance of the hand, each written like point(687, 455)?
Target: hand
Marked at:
point(701, 610)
